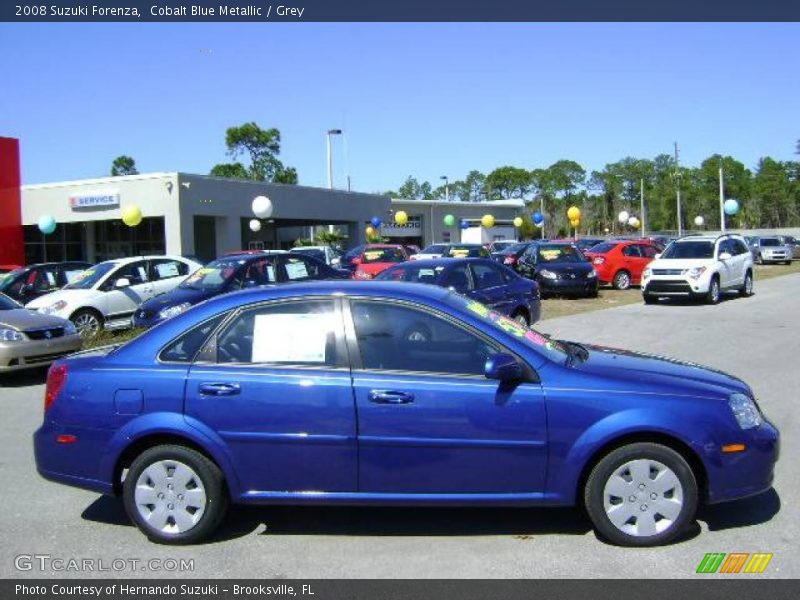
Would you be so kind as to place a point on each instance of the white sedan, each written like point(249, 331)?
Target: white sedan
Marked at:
point(106, 295)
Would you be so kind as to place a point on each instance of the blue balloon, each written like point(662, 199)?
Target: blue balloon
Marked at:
point(47, 224)
point(464, 224)
point(538, 217)
point(731, 207)
point(376, 222)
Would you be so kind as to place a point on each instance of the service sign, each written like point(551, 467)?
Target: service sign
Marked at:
point(96, 200)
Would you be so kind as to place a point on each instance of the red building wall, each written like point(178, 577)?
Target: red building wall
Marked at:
point(12, 247)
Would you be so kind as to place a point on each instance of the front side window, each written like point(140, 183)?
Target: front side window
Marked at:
point(487, 276)
point(395, 337)
point(290, 333)
point(135, 272)
point(457, 278)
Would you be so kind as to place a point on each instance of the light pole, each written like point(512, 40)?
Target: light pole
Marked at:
point(721, 199)
point(446, 188)
point(678, 188)
point(330, 168)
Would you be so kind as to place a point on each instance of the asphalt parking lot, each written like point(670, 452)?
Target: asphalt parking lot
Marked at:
point(755, 338)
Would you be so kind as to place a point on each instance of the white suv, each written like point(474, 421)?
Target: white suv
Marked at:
point(700, 266)
point(106, 295)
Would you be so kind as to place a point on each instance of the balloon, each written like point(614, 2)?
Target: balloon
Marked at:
point(575, 223)
point(538, 218)
point(698, 220)
point(255, 225)
point(518, 221)
point(400, 217)
point(376, 222)
point(131, 215)
point(487, 221)
point(370, 231)
point(464, 224)
point(606, 230)
point(573, 213)
point(623, 216)
point(634, 222)
point(449, 220)
point(47, 224)
point(731, 207)
point(262, 207)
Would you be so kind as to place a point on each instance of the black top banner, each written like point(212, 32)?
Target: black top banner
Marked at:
point(398, 10)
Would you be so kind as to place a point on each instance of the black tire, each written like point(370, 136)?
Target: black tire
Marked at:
point(714, 291)
point(747, 285)
point(605, 470)
point(622, 280)
point(82, 317)
point(650, 299)
point(787, 262)
point(759, 259)
point(213, 482)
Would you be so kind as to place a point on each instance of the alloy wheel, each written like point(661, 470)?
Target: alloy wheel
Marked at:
point(87, 324)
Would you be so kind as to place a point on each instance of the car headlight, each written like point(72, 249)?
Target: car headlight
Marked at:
point(591, 274)
point(548, 274)
point(696, 272)
point(646, 273)
point(745, 410)
point(173, 311)
point(69, 328)
point(53, 308)
point(11, 335)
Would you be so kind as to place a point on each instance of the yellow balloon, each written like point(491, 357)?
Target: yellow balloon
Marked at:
point(131, 215)
point(487, 221)
point(400, 217)
point(517, 221)
point(369, 231)
point(573, 213)
point(575, 222)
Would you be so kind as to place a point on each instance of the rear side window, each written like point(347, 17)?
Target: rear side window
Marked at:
point(167, 269)
point(602, 248)
point(632, 250)
point(188, 344)
point(300, 269)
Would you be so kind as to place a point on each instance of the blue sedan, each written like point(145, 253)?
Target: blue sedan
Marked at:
point(389, 393)
point(481, 279)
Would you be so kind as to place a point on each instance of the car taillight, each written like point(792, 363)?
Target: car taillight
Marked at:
point(56, 378)
point(598, 260)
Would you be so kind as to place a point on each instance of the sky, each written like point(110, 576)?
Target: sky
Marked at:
point(412, 99)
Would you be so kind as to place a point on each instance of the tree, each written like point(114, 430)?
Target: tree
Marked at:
point(262, 147)
point(123, 165)
point(508, 182)
point(414, 190)
point(473, 188)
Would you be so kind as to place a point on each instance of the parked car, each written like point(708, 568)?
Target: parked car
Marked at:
point(346, 261)
point(771, 249)
point(466, 251)
point(795, 245)
point(481, 279)
point(254, 252)
point(330, 256)
point(377, 257)
point(510, 256)
point(701, 266)
point(432, 251)
point(106, 295)
point(230, 274)
point(558, 268)
point(584, 244)
point(621, 263)
point(398, 394)
point(27, 283)
point(29, 339)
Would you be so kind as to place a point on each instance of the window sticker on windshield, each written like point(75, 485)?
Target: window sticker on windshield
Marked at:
point(459, 252)
point(289, 338)
point(83, 275)
point(373, 254)
point(71, 276)
point(199, 274)
point(296, 270)
point(550, 254)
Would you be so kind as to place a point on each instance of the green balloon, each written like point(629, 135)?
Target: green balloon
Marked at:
point(449, 220)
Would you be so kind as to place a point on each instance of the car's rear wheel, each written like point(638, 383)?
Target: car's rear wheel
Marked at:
point(88, 322)
point(642, 494)
point(174, 494)
point(712, 297)
point(622, 280)
point(747, 286)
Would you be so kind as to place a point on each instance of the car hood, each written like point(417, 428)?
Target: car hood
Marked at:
point(681, 263)
point(642, 368)
point(178, 296)
point(23, 319)
point(69, 296)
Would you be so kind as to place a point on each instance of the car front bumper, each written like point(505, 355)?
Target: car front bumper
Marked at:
point(28, 354)
point(579, 285)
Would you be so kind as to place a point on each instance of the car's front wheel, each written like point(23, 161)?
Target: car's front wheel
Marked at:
point(642, 494)
point(713, 295)
point(87, 322)
point(174, 494)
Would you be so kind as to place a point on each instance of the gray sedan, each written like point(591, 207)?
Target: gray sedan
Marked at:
point(29, 339)
point(771, 249)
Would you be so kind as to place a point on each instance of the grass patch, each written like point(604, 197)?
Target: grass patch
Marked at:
point(106, 338)
point(770, 271)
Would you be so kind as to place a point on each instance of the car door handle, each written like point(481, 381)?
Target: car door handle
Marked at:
point(390, 397)
point(219, 389)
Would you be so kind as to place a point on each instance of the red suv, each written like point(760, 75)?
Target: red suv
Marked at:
point(621, 263)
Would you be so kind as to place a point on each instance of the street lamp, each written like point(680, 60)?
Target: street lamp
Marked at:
point(446, 188)
point(330, 168)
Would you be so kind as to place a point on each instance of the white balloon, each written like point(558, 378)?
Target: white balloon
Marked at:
point(255, 225)
point(698, 220)
point(539, 224)
point(623, 216)
point(262, 207)
point(633, 221)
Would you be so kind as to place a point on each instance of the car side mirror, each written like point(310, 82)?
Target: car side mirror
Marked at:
point(122, 282)
point(725, 256)
point(503, 367)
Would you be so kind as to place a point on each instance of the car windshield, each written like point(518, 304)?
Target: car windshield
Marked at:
point(689, 250)
point(514, 249)
point(315, 252)
point(560, 254)
point(461, 251)
point(7, 303)
point(214, 275)
point(413, 273)
point(500, 246)
point(434, 249)
point(770, 242)
point(553, 349)
point(382, 255)
point(87, 279)
point(603, 248)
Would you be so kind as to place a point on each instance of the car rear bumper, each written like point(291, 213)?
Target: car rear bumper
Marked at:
point(28, 354)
